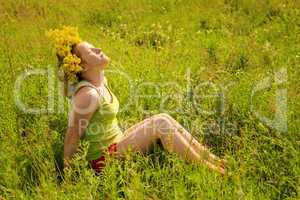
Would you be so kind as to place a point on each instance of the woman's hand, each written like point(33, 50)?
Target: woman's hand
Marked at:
point(84, 104)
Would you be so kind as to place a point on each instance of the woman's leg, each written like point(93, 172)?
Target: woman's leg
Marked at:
point(141, 136)
point(202, 150)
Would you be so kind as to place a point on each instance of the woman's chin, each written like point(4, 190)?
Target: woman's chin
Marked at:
point(104, 65)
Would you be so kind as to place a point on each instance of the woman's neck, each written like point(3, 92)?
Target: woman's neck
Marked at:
point(95, 78)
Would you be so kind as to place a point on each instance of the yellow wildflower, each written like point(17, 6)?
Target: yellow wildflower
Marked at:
point(64, 39)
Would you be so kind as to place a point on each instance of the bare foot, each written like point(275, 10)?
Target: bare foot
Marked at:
point(216, 168)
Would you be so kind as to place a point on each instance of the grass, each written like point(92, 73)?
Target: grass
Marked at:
point(179, 52)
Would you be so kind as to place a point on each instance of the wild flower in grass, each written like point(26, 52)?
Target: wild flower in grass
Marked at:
point(156, 36)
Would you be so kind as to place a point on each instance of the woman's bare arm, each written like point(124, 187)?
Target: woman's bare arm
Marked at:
point(84, 104)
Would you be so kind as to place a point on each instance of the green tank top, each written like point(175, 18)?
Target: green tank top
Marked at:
point(103, 128)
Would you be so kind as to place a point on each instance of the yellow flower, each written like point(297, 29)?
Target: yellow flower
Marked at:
point(64, 39)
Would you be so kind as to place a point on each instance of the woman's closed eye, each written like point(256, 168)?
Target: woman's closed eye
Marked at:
point(96, 50)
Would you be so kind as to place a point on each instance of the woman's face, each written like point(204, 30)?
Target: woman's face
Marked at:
point(91, 56)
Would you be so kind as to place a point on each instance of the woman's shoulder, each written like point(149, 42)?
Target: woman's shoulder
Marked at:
point(84, 89)
point(86, 97)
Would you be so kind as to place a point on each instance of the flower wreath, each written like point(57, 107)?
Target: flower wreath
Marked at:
point(64, 40)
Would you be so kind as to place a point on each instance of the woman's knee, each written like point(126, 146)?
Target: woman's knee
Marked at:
point(162, 123)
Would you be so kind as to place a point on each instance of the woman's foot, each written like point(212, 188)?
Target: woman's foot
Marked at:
point(217, 168)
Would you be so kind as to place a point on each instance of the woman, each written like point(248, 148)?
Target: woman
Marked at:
point(93, 118)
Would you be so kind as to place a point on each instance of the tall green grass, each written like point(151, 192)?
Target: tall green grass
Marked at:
point(222, 48)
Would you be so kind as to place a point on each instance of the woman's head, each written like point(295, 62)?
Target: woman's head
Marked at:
point(77, 59)
point(92, 58)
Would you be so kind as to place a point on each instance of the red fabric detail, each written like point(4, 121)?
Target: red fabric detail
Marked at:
point(99, 163)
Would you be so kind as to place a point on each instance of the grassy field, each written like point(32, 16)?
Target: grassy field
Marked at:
point(227, 70)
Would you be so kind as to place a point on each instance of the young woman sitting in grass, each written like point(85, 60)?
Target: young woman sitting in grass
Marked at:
point(94, 109)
